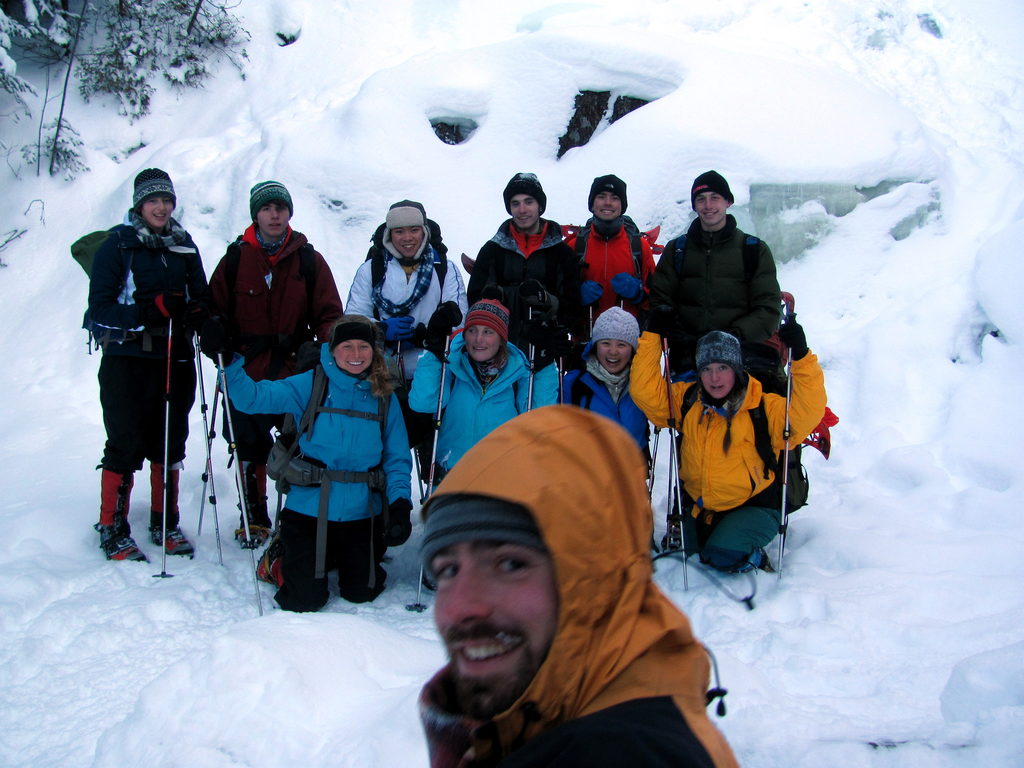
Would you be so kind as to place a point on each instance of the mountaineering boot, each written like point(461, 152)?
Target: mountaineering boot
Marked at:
point(175, 542)
point(268, 569)
point(115, 534)
point(256, 507)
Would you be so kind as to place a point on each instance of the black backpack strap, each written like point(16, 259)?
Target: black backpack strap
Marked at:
point(763, 439)
point(580, 394)
point(232, 259)
point(582, 237)
point(307, 268)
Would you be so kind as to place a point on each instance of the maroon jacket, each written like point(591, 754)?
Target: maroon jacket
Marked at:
point(269, 309)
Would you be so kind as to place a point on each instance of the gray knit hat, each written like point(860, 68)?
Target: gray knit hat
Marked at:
point(267, 192)
point(616, 323)
point(719, 347)
point(150, 182)
point(459, 517)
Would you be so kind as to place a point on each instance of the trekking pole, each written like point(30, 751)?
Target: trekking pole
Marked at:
point(208, 470)
point(783, 512)
point(419, 606)
point(653, 464)
point(673, 463)
point(167, 449)
point(533, 365)
point(400, 364)
point(239, 477)
point(210, 435)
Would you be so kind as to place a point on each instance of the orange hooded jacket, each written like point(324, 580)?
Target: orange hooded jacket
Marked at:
point(619, 638)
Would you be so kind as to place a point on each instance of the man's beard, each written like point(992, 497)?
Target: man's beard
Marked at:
point(482, 698)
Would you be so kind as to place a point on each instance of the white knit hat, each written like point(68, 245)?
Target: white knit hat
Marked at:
point(616, 323)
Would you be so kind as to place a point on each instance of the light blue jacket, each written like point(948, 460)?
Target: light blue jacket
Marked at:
point(471, 412)
point(340, 441)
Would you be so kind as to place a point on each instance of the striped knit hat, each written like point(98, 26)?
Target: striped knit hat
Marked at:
point(150, 182)
point(491, 314)
point(267, 192)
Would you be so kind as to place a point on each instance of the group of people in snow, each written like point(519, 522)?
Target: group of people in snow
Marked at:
point(416, 360)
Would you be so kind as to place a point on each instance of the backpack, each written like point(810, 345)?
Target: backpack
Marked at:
point(632, 231)
point(750, 255)
point(797, 483)
point(287, 467)
point(378, 260)
point(84, 250)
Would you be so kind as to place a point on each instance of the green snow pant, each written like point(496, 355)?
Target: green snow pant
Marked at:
point(732, 541)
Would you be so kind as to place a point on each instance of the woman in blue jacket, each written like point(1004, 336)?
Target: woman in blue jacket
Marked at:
point(486, 381)
point(602, 385)
point(359, 440)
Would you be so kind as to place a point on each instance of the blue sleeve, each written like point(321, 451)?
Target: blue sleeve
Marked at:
point(290, 395)
point(545, 386)
point(426, 382)
point(396, 461)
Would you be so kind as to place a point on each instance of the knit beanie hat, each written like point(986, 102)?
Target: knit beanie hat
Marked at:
point(525, 184)
point(490, 313)
point(267, 192)
point(406, 213)
point(710, 181)
point(351, 327)
point(152, 181)
point(719, 347)
point(616, 323)
point(458, 517)
point(608, 183)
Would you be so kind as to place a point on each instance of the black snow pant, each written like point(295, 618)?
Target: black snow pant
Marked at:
point(132, 392)
point(350, 552)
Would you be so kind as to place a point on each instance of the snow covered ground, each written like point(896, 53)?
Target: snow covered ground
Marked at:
point(877, 146)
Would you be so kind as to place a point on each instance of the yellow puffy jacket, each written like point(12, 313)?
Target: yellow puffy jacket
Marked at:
point(719, 480)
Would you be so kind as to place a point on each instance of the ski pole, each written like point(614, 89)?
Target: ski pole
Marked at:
point(533, 365)
point(211, 433)
point(239, 477)
point(419, 606)
point(673, 463)
point(653, 464)
point(167, 450)
point(208, 470)
point(783, 512)
point(400, 364)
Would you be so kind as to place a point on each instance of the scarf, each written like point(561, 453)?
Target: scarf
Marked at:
point(175, 234)
point(615, 383)
point(487, 371)
point(424, 274)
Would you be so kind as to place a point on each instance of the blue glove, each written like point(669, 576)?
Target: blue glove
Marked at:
point(399, 328)
point(628, 287)
point(590, 292)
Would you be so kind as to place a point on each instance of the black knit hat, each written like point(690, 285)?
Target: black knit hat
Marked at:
point(710, 181)
point(524, 184)
point(150, 182)
point(608, 183)
point(462, 517)
point(353, 327)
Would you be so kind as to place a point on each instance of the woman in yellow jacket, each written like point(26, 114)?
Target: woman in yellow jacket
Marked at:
point(732, 505)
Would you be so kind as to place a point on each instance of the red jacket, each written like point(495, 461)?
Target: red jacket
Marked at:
point(270, 311)
point(606, 258)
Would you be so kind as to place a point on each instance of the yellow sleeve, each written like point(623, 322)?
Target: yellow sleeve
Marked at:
point(647, 383)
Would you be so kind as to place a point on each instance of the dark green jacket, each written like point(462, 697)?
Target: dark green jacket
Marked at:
point(714, 293)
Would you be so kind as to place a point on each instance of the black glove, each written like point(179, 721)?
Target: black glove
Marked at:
point(399, 524)
point(196, 314)
point(550, 341)
point(214, 339)
point(662, 320)
point(439, 327)
point(169, 305)
point(791, 333)
point(533, 294)
point(306, 356)
point(493, 292)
